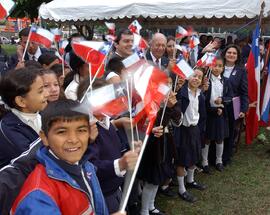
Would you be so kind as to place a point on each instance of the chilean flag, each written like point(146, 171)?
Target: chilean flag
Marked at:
point(253, 70)
point(111, 27)
point(135, 27)
point(139, 42)
point(41, 36)
point(62, 46)
point(136, 57)
point(194, 41)
point(57, 34)
point(183, 69)
point(151, 86)
point(5, 8)
point(94, 53)
point(266, 99)
point(181, 32)
point(110, 100)
point(111, 34)
point(208, 59)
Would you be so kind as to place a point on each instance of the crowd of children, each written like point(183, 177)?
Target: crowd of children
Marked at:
point(58, 160)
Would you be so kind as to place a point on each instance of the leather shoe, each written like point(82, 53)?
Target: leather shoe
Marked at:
point(220, 167)
point(167, 192)
point(187, 197)
point(156, 211)
point(206, 169)
point(196, 185)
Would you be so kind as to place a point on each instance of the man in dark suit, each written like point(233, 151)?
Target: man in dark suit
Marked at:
point(157, 50)
point(123, 48)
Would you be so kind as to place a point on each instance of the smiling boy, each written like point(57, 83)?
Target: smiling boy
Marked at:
point(64, 182)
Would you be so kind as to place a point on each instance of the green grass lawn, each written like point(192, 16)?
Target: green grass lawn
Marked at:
point(242, 189)
point(10, 49)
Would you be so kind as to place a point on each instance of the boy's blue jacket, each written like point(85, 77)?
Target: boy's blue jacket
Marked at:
point(50, 190)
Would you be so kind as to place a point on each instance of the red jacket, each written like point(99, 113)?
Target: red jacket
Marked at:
point(50, 190)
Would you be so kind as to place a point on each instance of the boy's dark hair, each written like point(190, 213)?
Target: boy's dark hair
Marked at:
point(47, 58)
point(17, 83)
point(119, 34)
point(115, 64)
point(57, 68)
point(63, 110)
point(24, 32)
point(32, 63)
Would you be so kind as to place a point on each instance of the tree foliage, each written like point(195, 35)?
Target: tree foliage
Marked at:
point(27, 8)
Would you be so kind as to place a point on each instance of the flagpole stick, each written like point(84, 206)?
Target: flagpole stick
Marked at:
point(137, 132)
point(175, 83)
point(63, 66)
point(90, 78)
point(27, 44)
point(125, 198)
point(174, 49)
point(130, 116)
point(164, 109)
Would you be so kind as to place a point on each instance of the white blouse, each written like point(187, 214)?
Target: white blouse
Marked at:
point(31, 119)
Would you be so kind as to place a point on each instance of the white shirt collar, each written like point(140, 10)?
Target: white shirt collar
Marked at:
point(214, 78)
point(37, 54)
point(154, 59)
point(31, 119)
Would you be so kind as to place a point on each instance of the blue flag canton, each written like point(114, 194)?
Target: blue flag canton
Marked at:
point(105, 48)
point(33, 28)
point(255, 44)
point(180, 57)
point(139, 52)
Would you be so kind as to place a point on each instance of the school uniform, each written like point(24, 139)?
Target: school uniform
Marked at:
point(104, 154)
point(190, 133)
point(71, 89)
point(238, 80)
point(17, 131)
point(217, 125)
point(156, 165)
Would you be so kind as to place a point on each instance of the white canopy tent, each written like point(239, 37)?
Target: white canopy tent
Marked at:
point(166, 14)
point(85, 10)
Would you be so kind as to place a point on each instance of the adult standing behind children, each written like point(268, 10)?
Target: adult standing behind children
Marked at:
point(157, 49)
point(237, 75)
point(122, 49)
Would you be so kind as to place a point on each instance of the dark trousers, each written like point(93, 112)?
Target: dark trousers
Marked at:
point(234, 134)
point(113, 201)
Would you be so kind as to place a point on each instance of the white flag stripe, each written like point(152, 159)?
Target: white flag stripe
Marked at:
point(45, 33)
point(7, 4)
point(132, 59)
point(142, 77)
point(164, 89)
point(91, 44)
point(185, 68)
point(95, 98)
